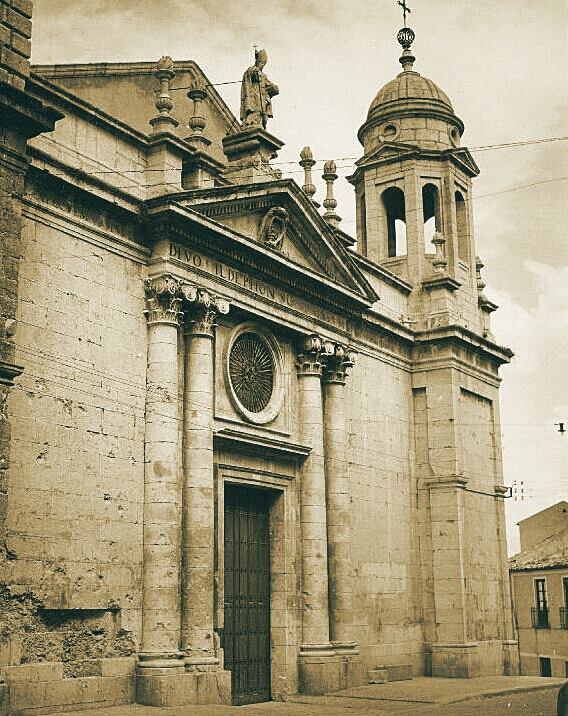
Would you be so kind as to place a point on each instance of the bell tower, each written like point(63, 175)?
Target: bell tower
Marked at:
point(413, 194)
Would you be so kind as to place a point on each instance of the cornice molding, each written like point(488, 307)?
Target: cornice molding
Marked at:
point(9, 372)
point(259, 444)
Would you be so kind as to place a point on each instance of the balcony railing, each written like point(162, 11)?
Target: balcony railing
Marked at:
point(564, 617)
point(539, 618)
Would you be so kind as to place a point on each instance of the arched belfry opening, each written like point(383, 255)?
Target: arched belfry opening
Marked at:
point(395, 210)
point(461, 226)
point(431, 214)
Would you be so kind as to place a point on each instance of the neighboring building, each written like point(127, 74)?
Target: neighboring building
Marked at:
point(539, 590)
point(241, 456)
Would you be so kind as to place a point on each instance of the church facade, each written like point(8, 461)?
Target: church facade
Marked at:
point(244, 454)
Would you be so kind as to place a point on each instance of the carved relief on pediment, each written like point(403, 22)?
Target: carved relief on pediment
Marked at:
point(273, 227)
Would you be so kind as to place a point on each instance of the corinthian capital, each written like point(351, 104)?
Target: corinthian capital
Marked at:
point(163, 302)
point(201, 309)
point(310, 354)
point(337, 362)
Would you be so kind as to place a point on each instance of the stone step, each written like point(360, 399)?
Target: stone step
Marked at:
point(396, 672)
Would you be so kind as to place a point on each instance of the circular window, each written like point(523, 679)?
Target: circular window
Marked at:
point(455, 136)
point(254, 374)
point(389, 132)
point(251, 370)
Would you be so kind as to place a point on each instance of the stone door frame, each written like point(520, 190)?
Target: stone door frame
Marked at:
point(284, 625)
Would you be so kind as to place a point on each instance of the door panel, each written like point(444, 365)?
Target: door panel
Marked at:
point(246, 636)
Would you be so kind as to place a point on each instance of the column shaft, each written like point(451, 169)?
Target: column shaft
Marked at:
point(198, 527)
point(315, 613)
point(340, 562)
point(161, 615)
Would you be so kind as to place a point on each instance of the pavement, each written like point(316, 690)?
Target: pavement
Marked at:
point(421, 696)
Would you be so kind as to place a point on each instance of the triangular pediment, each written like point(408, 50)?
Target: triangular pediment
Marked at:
point(387, 151)
point(280, 218)
point(462, 157)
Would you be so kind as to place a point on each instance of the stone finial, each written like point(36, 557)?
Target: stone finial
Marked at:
point(307, 161)
point(164, 121)
point(405, 38)
point(480, 282)
point(329, 176)
point(439, 262)
point(197, 94)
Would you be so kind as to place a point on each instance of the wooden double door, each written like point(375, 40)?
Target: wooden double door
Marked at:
point(246, 634)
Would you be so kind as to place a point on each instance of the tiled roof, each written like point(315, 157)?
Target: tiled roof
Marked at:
point(551, 552)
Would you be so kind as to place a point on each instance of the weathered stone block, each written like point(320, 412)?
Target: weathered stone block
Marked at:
point(24, 7)
point(30, 673)
point(118, 666)
point(21, 45)
point(318, 675)
point(378, 676)
point(209, 687)
point(14, 19)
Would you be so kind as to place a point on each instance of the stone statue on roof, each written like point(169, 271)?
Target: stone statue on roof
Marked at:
point(256, 93)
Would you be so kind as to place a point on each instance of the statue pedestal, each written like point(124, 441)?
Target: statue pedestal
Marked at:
point(249, 153)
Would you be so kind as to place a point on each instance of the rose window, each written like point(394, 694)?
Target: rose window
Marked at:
point(251, 371)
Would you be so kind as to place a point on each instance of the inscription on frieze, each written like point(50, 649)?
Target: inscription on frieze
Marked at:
point(244, 280)
point(227, 273)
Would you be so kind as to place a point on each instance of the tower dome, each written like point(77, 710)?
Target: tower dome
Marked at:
point(409, 86)
point(411, 109)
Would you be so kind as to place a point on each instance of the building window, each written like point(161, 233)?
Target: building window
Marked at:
point(566, 669)
point(539, 612)
point(362, 211)
point(251, 369)
point(461, 221)
point(564, 609)
point(393, 202)
point(431, 213)
point(545, 666)
point(254, 373)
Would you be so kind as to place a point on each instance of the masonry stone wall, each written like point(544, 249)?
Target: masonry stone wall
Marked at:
point(383, 494)
point(15, 42)
point(74, 530)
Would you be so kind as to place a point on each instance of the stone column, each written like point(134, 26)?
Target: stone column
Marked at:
point(319, 670)
point(198, 529)
point(161, 614)
point(339, 550)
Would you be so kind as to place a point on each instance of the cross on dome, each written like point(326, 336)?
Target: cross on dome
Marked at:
point(405, 10)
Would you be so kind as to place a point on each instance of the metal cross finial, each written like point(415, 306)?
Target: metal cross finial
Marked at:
point(405, 9)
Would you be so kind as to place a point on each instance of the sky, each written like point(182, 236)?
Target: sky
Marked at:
point(503, 64)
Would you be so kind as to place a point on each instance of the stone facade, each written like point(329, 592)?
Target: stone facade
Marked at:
point(187, 321)
point(539, 589)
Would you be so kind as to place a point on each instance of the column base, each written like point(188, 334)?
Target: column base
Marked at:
point(318, 673)
point(171, 687)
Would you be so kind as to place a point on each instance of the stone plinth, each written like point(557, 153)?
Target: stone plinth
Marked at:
point(249, 153)
point(168, 690)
